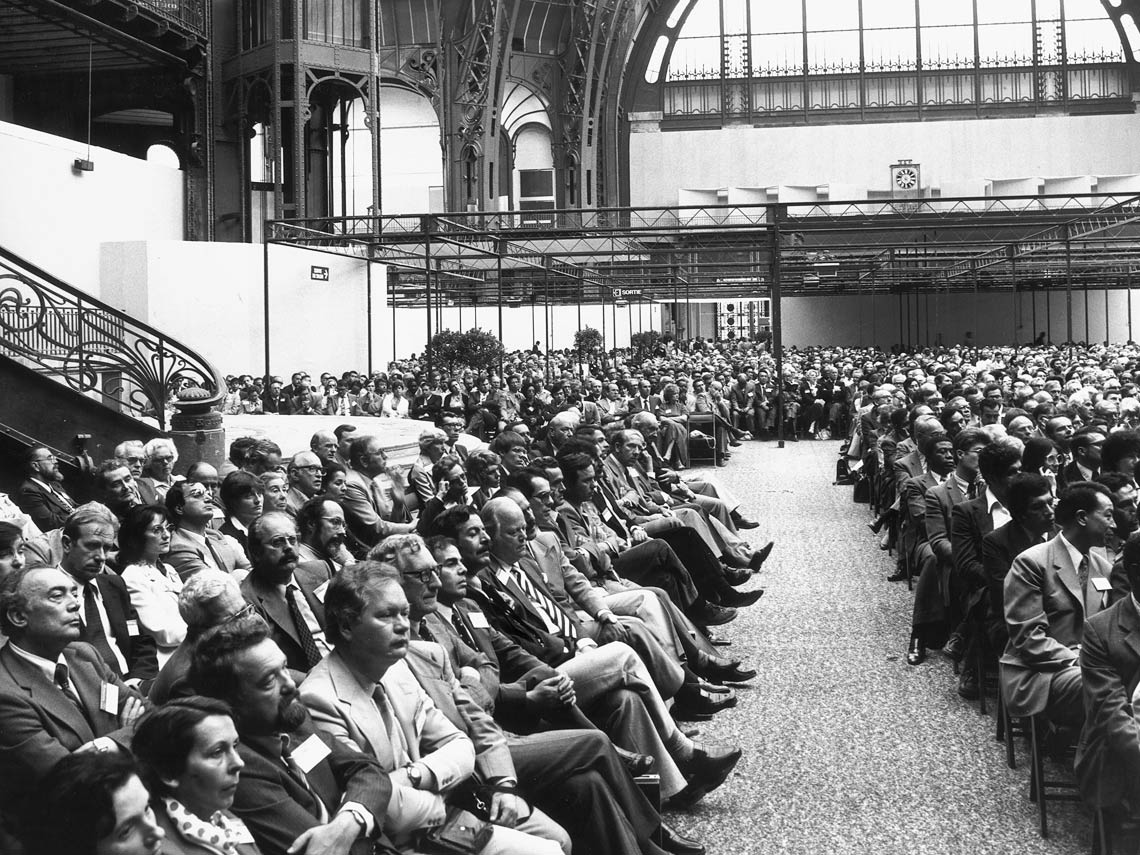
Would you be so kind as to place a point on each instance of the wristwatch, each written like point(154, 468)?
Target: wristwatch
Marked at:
point(415, 775)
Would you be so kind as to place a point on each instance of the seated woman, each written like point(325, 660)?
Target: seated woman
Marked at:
point(243, 499)
point(674, 418)
point(483, 476)
point(395, 404)
point(11, 547)
point(92, 803)
point(187, 752)
point(144, 538)
point(276, 491)
point(1041, 458)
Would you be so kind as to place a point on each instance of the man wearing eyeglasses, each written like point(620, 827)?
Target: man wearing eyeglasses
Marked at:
point(194, 545)
point(42, 496)
point(291, 603)
point(306, 474)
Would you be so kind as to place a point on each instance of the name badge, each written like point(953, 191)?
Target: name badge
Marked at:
point(319, 592)
point(1101, 584)
point(310, 752)
point(502, 574)
point(478, 620)
point(109, 698)
point(133, 628)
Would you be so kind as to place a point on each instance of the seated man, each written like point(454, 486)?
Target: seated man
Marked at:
point(305, 473)
point(287, 596)
point(324, 534)
point(365, 696)
point(57, 695)
point(194, 545)
point(300, 790)
point(1108, 753)
point(1050, 590)
point(115, 487)
point(42, 496)
point(372, 513)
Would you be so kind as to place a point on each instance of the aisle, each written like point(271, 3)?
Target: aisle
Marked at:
point(847, 748)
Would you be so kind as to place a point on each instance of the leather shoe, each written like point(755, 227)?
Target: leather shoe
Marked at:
point(737, 575)
point(718, 670)
point(636, 764)
point(760, 556)
point(675, 842)
point(955, 647)
point(739, 599)
point(916, 655)
point(897, 576)
point(710, 614)
point(706, 770)
point(742, 522)
point(692, 699)
point(968, 685)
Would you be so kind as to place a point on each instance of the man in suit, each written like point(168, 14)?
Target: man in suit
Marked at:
point(57, 695)
point(914, 542)
point(305, 474)
point(289, 598)
point(577, 773)
point(936, 608)
point(300, 789)
point(110, 623)
point(1031, 511)
point(611, 686)
point(324, 535)
point(970, 521)
point(365, 695)
point(372, 515)
point(1108, 752)
point(42, 496)
point(1085, 448)
point(912, 462)
point(433, 445)
point(194, 545)
point(1049, 592)
point(115, 487)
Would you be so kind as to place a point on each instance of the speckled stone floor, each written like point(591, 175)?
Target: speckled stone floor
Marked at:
point(847, 748)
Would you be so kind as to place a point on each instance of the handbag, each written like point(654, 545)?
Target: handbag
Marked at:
point(462, 833)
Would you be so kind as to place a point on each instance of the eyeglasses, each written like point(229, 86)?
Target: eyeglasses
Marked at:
point(334, 522)
point(313, 468)
point(424, 575)
point(283, 540)
point(247, 610)
point(50, 457)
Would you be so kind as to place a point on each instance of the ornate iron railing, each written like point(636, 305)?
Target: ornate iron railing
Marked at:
point(92, 347)
point(189, 13)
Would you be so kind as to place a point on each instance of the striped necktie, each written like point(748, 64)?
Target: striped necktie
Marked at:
point(304, 634)
point(544, 603)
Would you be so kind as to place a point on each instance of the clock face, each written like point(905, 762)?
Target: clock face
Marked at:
point(906, 177)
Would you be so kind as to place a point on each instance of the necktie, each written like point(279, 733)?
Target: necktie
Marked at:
point(320, 811)
point(96, 632)
point(400, 754)
point(425, 633)
point(972, 492)
point(65, 687)
point(548, 607)
point(465, 633)
point(308, 644)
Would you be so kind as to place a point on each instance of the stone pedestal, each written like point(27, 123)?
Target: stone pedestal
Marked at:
point(197, 430)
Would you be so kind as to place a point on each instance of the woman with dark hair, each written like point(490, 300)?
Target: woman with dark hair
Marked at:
point(1042, 458)
point(243, 499)
point(92, 803)
point(483, 476)
point(144, 537)
point(188, 757)
point(335, 480)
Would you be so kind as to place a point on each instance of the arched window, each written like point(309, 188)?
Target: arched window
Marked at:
point(783, 60)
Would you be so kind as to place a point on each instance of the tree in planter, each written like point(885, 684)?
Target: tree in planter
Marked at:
point(644, 342)
point(475, 348)
point(587, 341)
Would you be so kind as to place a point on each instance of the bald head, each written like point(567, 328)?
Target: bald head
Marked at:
point(324, 444)
point(507, 526)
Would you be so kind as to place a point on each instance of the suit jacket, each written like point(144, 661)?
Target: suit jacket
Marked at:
point(516, 615)
point(138, 649)
point(575, 533)
point(1108, 753)
point(188, 556)
point(913, 514)
point(344, 709)
point(940, 501)
point(45, 507)
point(277, 806)
point(366, 509)
point(905, 467)
point(547, 565)
point(969, 523)
point(1045, 613)
point(1070, 474)
point(999, 548)
point(432, 670)
point(272, 606)
point(39, 726)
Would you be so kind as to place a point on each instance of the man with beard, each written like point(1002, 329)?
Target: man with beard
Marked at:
point(115, 487)
point(324, 534)
point(365, 686)
point(610, 684)
point(301, 791)
point(289, 602)
point(305, 473)
point(42, 496)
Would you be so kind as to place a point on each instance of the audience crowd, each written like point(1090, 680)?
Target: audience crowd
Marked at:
point(500, 649)
point(1005, 480)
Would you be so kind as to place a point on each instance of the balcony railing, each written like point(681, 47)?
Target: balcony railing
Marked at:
point(189, 14)
point(94, 348)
